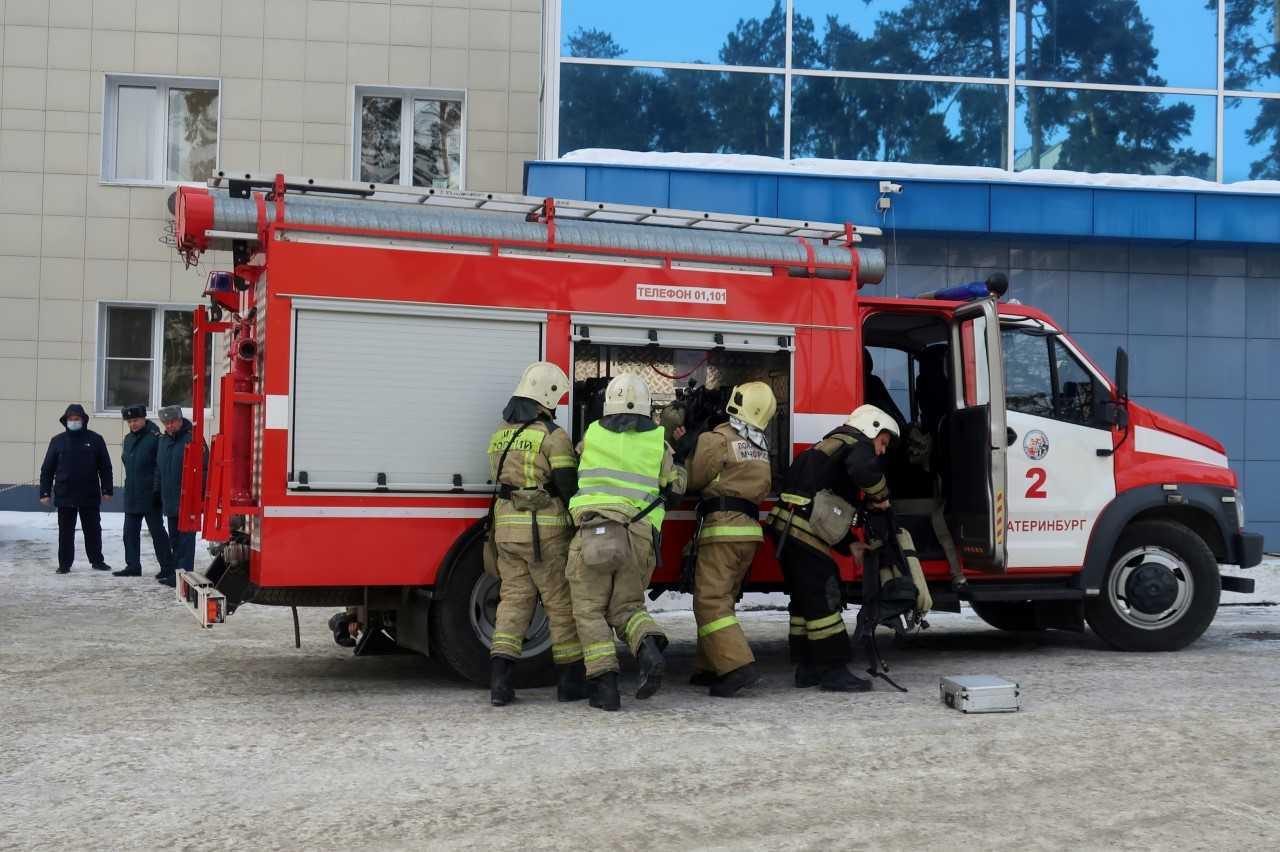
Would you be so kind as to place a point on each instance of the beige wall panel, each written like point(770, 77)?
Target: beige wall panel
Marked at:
point(18, 379)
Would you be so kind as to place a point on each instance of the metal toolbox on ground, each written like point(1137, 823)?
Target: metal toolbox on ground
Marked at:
point(981, 694)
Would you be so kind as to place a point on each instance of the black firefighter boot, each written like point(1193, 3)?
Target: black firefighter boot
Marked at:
point(735, 681)
point(571, 684)
point(501, 693)
point(652, 665)
point(840, 679)
point(604, 691)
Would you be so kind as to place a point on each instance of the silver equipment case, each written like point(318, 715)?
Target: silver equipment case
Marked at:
point(981, 694)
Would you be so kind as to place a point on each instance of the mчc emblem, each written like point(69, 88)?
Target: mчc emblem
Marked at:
point(1035, 444)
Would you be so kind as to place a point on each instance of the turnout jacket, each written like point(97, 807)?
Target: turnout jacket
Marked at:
point(844, 462)
point(726, 464)
point(541, 459)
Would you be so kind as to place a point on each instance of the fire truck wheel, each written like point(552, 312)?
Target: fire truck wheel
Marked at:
point(1160, 591)
point(1012, 615)
point(462, 626)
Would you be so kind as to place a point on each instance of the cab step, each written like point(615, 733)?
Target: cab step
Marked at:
point(196, 592)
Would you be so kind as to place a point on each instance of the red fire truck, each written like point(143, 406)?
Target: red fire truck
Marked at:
point(368, 337)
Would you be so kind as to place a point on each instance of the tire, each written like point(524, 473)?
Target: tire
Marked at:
point(1011, 615)
point(1130, 612)
point(462, 625)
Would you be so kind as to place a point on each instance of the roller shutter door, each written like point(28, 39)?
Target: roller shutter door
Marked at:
point(412, 396)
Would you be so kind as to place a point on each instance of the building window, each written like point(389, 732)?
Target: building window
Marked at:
point(412, 137)
point(1144, 87)
point(159, 129)
point(146, 357)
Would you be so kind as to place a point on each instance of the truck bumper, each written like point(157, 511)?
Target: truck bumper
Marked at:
point(1246, 549)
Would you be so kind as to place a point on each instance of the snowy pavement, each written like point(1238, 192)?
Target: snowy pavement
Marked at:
point(125, 726)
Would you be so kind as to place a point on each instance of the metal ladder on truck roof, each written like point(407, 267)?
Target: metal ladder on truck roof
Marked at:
point(538, 208)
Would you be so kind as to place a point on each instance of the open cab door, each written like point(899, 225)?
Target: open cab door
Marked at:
point(976, 477)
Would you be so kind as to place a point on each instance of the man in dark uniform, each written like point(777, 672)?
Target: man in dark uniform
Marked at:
point(169, 457)
point(813, 515)
point(141, 496)
point(75, 476)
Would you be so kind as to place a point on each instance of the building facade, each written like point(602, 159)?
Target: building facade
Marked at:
point(1117, 158)
point(107, 105)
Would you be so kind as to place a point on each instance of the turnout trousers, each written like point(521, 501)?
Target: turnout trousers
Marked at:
point(524, 581)
point(133, 539)
point(91, 528)
point(817, 636)
point(609, 601)
point(722, 568)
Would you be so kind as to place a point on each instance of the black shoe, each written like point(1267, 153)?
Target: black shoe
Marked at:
point(571, 684)
point(127, 572)
point(840, 679)
point(807, 675)
point(101, 566)
point(604, 692)
point(740, 678)
point(702, 678)
point(62, 570)
point(652, 666)
point(167, 578)
point(341, 631)
point(501, 693)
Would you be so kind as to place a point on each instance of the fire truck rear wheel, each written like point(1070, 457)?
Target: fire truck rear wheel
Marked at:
point(1008, 615)
point(462, 626)
point(1160, 591)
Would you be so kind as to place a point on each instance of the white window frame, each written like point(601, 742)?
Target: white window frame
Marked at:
point(162, 84)
point(157, 355)
point(407, 95)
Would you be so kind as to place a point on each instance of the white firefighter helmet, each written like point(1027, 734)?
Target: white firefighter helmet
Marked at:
point(627, 394)
point(753, 403)
point(544, 383)
point(871, 421)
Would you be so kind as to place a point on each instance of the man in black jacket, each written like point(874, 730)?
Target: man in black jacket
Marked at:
point(141, 496)
point(168, 481)
point(75, 476)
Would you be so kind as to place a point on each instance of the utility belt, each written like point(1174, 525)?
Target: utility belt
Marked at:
point(711, 505)
point(531, 500)
point(824, 516)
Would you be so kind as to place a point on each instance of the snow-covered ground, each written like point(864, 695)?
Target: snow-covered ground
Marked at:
point(125, 726)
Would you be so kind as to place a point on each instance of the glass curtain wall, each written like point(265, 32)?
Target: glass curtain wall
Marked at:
point(1149, 87)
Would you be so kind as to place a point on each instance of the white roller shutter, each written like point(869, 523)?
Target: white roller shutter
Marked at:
point(414, 395)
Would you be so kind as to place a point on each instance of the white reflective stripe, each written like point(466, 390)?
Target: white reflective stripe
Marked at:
point(811, 428)
point(277, 416)
point(374, 512)
point(620, 475)
point(1160, 443)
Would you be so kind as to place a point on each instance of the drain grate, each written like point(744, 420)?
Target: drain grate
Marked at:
point(1260, 636)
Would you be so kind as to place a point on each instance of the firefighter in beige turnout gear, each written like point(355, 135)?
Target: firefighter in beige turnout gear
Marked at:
point(532, 461)
point(626, 477)
point(730, 468)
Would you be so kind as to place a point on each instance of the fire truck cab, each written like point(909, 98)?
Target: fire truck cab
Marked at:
point(367, 338)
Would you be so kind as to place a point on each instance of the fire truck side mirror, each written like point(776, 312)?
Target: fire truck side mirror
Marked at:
point(1122, 373)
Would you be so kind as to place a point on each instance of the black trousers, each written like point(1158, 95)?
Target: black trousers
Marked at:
point(133, 539)
point(183, 546)
point(818, 636)
point(90, 523)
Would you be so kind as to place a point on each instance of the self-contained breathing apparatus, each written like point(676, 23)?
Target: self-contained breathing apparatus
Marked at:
point(899, 600)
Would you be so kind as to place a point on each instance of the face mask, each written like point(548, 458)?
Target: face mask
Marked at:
point(75, 425)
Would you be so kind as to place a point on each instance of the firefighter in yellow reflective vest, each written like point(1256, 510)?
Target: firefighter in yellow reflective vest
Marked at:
point(626, 478)
point(813, 515)
point(730, 468)
point(532, 461)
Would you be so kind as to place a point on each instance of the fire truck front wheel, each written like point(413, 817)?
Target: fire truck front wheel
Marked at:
point(462, 620)
point(1160, 591)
